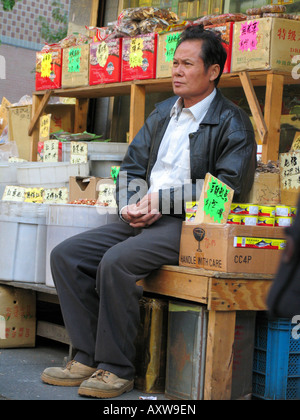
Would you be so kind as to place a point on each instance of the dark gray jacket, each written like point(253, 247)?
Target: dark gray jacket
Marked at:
point(224, 145)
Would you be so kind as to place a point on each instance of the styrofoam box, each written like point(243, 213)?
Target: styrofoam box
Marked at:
point(66, 220)
point(36, 173)
point(23, 234)
point(101, 164)
point(96, 147)
point(8, 174)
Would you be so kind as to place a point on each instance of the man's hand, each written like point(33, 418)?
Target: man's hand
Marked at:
point(144, 213)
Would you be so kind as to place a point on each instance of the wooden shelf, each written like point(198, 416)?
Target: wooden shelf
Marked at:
point(268, 126)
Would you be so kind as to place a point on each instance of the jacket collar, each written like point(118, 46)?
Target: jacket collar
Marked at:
point(212, 116)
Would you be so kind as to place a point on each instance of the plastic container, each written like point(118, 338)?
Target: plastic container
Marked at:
point(23, 234)
point(276, 366)
point(96, 148)
point(66, 220)
point(186, 352)
point(57, 173)
point(8, 175)
point(101, 164)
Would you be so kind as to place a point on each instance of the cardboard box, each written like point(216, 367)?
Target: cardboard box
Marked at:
point(166, 45)
point(87, 187)
point(226, 30)
point(62, 118)
point(265, 189)
point(48, 69)
point(264, 44)
point(105, 61)
point(220, 248)
point(75, 69)
point(139, 55)
point(17, 317)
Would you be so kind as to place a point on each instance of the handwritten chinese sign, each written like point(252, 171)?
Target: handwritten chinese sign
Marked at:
point(296, 142)
point(136, 52)
point(46, 65)
point(56, 195)
point(215, 201)
point(74, 60)
point(13, 193)
point(45, 127)
point(34, 195)
point(248, 36)
point(79, 152)
point(290, 170)
point(102, 54)
point(171, 44)
point(51, 151)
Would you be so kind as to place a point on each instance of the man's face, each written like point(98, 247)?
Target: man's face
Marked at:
point(190, 79)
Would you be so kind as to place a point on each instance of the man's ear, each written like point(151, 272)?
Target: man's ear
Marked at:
point(214, 72)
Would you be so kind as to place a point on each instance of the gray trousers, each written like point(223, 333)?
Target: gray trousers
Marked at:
point(95, 274)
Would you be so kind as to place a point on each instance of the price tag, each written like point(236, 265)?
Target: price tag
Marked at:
point(79, 152)
point(215, 201)
point(16, 159)
point(248, 36)
point(136, 52)
point(296, 142)
point(290, 170)
point(56, 195)
point(114, 172)
point(46, 65)
point(74, 60)
point(102, 54)
point(13, 193)
point(106, 195)
point(45, 127)
point(171, 44)
point(51, 151)
point(33, 195)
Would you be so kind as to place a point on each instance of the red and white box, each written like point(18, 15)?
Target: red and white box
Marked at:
point(105, 61)
point(226, 30)
point(139, 55)
point(48, 69)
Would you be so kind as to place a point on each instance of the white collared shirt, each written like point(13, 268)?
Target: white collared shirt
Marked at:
point(172, 167)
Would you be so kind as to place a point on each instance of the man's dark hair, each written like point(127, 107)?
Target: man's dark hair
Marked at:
point(213, 51)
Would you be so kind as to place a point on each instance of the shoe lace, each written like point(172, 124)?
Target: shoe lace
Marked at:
point(100, 373)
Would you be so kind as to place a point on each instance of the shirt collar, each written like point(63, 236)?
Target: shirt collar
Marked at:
point(198, 110)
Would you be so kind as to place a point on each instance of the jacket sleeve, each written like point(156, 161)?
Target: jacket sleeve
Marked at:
point(235, 163)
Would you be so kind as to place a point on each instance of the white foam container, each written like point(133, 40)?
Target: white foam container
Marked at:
point(66, 220)
point(101, 164)
point(57, 173)
point(23, 235)
point(8, 174)
point(96, 147)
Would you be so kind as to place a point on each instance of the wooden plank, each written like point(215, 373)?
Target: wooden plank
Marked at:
point(273, 105)
point(81, 112)
point(219, 355)
point(230, 294)
point(38, 108)
point(175, 283)
point(254, 105)
point(137, 109)
point(94, 13)
point(52, 331)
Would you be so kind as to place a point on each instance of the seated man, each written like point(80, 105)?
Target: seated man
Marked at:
point(95, 273)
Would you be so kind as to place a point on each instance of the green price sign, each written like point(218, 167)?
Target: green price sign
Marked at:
point(74, 60)
point(217, 196)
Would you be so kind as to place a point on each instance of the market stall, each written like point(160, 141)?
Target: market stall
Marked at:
point(61, 182)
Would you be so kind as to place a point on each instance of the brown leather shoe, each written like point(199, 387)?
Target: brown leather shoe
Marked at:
point(104, 384)
point(72, 375)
